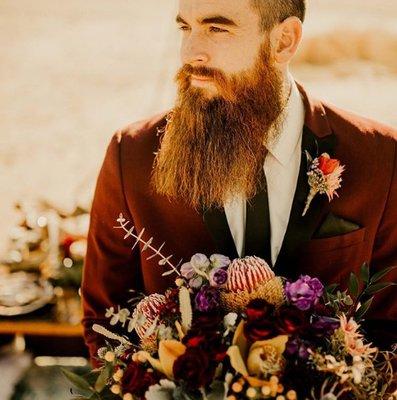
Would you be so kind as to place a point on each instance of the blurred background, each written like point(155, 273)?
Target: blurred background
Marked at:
point(73, 72)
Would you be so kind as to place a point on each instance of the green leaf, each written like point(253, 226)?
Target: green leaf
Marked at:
point(379, 275)
point(363, 309)
point(103, 377)
point(353, 285)
point(80, 383)
point(378, 287)
point(364, 272)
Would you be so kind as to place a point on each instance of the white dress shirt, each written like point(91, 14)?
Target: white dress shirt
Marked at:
point(281, 168)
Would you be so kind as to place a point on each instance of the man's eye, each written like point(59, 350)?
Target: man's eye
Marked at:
point(184, 28)
point(217, 30)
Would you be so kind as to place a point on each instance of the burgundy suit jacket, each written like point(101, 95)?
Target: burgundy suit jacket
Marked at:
point(368, 197)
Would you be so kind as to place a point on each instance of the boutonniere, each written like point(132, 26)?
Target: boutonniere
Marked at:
point(324, 177)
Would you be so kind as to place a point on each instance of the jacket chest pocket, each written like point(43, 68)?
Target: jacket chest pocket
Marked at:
point(332, 259)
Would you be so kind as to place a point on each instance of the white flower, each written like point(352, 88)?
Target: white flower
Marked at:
point(187, 270)
point(200, 262)
point(230, 320)
point(358, 369)
point(164, 332)
point(219, 261)
point(196, 283)
point(162, 391)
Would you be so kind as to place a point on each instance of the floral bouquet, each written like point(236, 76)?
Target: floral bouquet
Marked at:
point(232, 329)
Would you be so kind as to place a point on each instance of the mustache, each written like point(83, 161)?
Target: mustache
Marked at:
point(218, 77)
point(207, 72)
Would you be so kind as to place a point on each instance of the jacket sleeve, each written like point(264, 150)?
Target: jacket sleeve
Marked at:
point(382, 317)
point(111, 268)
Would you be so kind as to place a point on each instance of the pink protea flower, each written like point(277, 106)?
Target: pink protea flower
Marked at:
point(147, 314)
point(354, 339)
point(324, 177)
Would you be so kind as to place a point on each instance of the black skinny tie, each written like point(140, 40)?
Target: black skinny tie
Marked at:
point(257, 230)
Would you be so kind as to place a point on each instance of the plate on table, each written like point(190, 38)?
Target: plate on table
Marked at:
point(22, 293)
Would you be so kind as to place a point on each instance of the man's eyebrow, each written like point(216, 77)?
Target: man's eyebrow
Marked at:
point(216, 19)
point(180, 20)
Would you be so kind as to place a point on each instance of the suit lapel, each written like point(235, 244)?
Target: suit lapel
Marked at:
point(300, 229)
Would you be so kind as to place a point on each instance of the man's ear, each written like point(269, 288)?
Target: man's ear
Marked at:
point(285, 38)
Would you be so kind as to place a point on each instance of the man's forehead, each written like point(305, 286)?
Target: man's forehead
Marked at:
point(239, 11)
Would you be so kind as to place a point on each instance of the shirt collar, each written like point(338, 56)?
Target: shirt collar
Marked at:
point(291, 129)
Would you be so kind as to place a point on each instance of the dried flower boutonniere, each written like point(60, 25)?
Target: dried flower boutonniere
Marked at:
point(324, 177)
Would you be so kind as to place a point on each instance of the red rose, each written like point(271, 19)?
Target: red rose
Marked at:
point(291, 320)
point(136, 379)
point(258, 309)
point(194, 367)
point(327, 165)
point(195, 341)
point(260, 329)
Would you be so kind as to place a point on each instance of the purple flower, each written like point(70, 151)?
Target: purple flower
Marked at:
point(218, 277)
point(305, 292)
point(207, 299)
point(187, 270)
point(297, 347)
point(325, 325)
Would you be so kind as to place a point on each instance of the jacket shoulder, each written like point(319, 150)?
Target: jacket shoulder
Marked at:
point(344, 122)
point(141, 131)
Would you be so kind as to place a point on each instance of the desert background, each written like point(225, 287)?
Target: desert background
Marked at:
point(73, 72)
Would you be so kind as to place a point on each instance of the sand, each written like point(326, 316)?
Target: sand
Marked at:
point(73, 72)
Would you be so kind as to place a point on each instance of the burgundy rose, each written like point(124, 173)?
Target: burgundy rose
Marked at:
point(194, 367)
point(291, 320)
point(260, 329)
point(171, 305)
point(259, 309)
point(206, 334)
point(194, 341)
point(136, 379)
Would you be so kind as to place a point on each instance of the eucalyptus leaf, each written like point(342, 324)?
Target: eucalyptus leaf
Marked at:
point(170, 272)
point(84, 388)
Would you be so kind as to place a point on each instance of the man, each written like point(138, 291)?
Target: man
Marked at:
point(226, 170)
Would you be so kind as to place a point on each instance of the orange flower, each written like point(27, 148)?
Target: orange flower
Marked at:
point(327, 164)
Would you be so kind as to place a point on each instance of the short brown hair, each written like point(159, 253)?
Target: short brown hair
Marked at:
point(273, 12)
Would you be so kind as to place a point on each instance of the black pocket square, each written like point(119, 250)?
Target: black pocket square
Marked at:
point(334, 226)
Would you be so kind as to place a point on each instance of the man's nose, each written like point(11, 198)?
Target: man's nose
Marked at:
point(194, 51)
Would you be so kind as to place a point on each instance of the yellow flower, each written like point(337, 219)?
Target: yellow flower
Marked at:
point(169, 351)
point(258, 360)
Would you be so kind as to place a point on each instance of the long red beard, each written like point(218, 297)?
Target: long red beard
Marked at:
point(214, 148)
